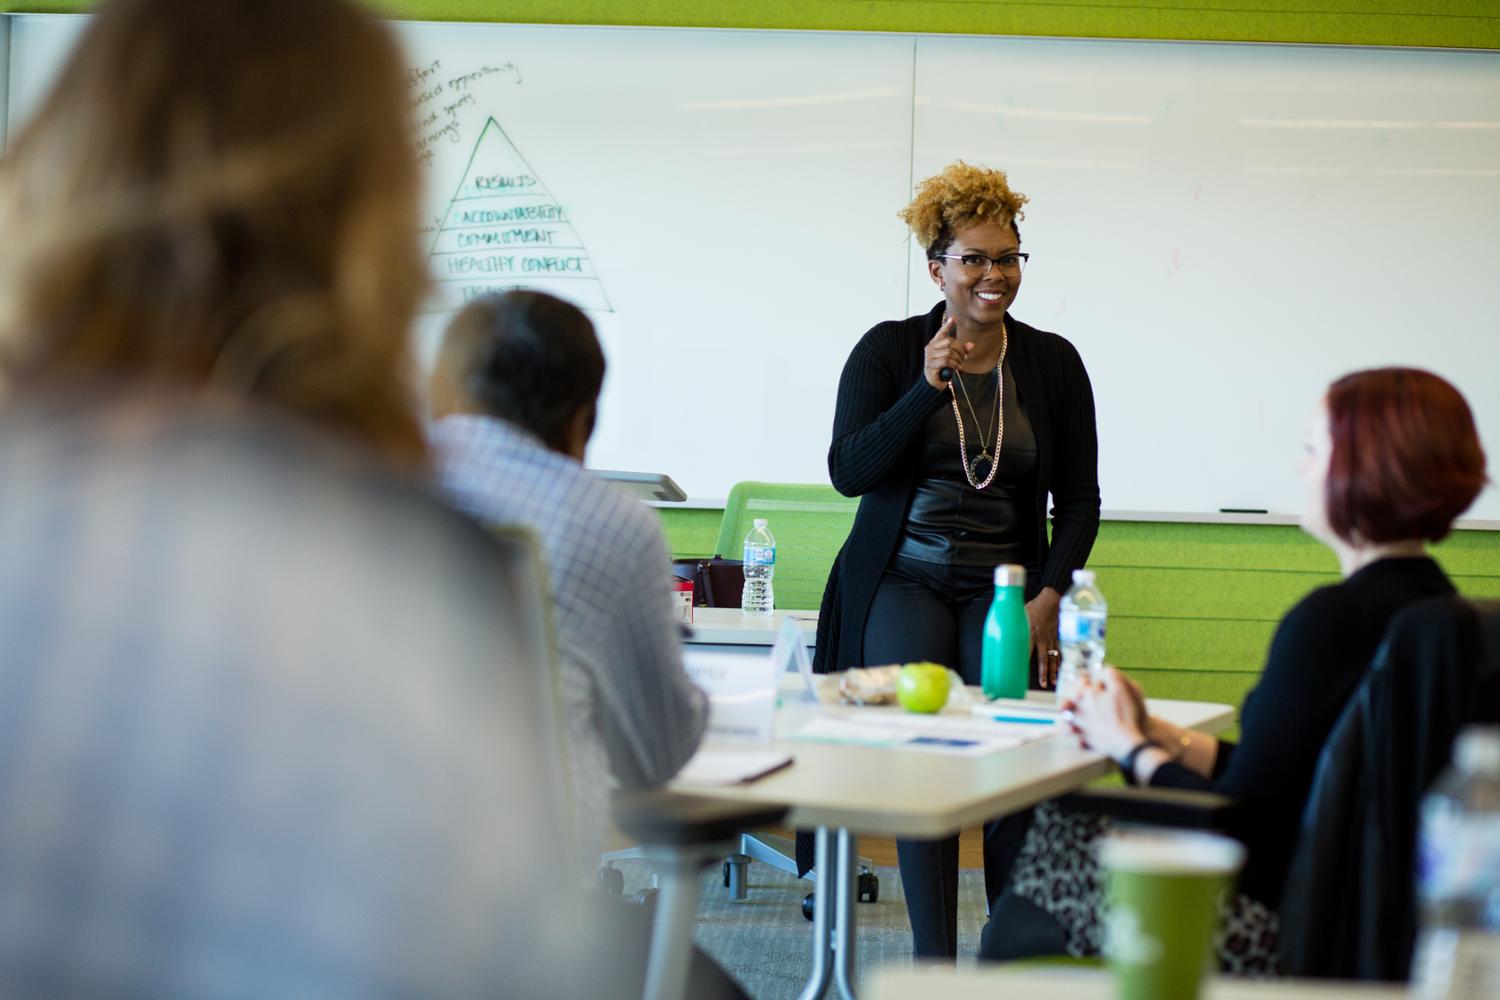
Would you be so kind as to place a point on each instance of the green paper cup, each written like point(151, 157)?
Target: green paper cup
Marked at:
point(1162, 908)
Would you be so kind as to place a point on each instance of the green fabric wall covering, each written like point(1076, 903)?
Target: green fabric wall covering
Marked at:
point(1193, 606)
point(1450, 23)
point(691, 532)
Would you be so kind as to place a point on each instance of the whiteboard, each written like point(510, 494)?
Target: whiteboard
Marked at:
point(1220, 229)
point(687, 184)
point(705, 194)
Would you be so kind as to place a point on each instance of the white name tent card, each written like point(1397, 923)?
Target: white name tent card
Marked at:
point(789, 654)
point(741, 693)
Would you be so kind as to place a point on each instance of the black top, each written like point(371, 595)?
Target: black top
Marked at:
point(884, 404)
point(1321, 651)
point(951, 521)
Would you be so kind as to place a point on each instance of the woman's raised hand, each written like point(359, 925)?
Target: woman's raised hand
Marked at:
point(944, 351)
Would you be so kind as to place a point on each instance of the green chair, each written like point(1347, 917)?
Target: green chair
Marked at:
point(810, 522)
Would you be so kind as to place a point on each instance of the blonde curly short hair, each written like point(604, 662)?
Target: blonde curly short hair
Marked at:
point(959, 197)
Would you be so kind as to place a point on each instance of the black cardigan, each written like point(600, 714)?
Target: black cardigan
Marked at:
point(1320, 653)
point(884, 402)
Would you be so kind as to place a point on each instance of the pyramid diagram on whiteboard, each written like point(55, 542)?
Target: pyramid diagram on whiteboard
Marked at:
point(504, 230)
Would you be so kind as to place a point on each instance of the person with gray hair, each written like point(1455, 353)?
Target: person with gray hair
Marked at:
point(514, 392)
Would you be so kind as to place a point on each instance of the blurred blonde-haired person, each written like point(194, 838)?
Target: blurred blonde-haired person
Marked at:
point(273, 718)
point(218, 197)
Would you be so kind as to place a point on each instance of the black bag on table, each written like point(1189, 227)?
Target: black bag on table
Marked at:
point(717, 582)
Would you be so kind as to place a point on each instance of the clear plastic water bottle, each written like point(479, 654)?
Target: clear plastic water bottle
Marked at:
point(1081, 620)
point(1458, 875)
point(758, 597)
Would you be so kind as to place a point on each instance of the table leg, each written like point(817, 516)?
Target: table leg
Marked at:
point(844, 930)
point(823, 904)
point(676, 913)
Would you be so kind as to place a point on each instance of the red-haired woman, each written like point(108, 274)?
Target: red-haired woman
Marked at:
point(1392, 459)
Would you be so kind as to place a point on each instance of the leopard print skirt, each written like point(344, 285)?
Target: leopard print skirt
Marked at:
point(1058, 870)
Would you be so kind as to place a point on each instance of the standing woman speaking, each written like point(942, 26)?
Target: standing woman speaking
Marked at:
point(954, 426)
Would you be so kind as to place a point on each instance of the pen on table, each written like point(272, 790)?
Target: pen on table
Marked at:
point(1028, 719)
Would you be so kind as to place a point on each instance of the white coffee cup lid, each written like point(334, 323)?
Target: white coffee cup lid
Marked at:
point(1171, 852)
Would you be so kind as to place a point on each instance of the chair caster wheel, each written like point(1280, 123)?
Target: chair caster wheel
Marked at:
point(611, 880)
point(869, 887)
point(726, 874)
point(646, 898)
point(807, 906)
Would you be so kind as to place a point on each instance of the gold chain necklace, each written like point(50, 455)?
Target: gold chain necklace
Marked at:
point(971, 469)
point(994, 418)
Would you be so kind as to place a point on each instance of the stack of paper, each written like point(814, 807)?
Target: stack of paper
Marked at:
point(957, 734)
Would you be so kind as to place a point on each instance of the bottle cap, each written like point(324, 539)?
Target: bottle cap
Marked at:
point(1010, 575)
point(760, 522)
point(1477, 749)
point(1083, 576)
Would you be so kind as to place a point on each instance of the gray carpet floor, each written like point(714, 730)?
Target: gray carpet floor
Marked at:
point(765, 942)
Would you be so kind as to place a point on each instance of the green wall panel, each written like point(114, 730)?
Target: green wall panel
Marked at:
point(1480, 587)
point(691, 532)
point(1225, 687)
point(1188, 644)
point(1460, 23)
point(1172, 592)
point(1193, 606)
point(1470, 553)
point(1445, 23)
point(1280, 548)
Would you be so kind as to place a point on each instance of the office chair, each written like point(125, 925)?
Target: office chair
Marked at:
point(1350, 908)
point(810, 522)
point(680, 835)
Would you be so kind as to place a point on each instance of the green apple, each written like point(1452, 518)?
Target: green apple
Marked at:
point(922, 687)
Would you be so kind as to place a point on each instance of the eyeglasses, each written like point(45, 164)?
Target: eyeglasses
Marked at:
point(978, 265)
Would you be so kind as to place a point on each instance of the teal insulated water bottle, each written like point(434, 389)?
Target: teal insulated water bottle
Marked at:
point(1006, 662)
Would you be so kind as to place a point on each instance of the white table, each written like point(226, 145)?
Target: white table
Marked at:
point(841, 791)
point(730, 630)
point(717, 631)
point(1090, 984)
